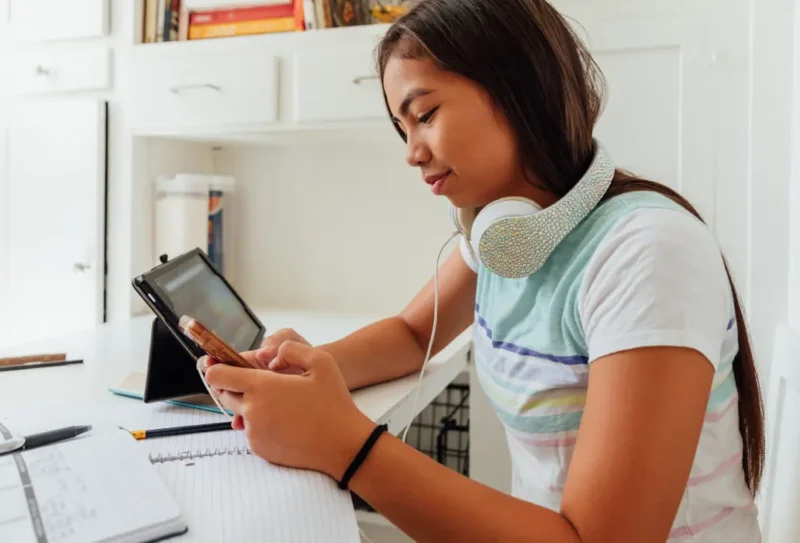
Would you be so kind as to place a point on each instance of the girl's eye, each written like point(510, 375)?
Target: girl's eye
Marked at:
point(427, 117)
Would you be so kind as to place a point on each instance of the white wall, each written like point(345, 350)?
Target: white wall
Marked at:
point(772, 43)
point(794, 195)
point(342, 226)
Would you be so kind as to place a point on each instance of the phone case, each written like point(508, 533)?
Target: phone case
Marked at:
point(211, 343)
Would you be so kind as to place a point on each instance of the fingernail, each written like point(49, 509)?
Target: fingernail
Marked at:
point(201, 365)
point(215, 392)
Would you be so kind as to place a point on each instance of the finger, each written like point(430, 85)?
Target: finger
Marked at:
point(279, 365)
point(271, 344)
point(238, 422)
point(255, 359)
point(232, 401)
point(225, 377)
point(302, 356)
point(205, 362)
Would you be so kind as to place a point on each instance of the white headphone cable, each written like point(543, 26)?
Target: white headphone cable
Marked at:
point(433, 333)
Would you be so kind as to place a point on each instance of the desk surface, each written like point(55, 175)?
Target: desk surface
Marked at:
point(111, 351)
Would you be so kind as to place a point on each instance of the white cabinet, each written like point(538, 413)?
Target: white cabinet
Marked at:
point(29, 20)
point(53, 205)
point(337, 86)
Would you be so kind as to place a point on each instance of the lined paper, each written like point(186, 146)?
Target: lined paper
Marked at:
point(238, 496)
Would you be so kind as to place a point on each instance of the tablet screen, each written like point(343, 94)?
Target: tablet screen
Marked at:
point(192, 288)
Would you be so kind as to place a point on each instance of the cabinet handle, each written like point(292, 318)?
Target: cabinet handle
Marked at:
point(360, 79)
point(41, 70)
point(81, 267)
point(178, 88)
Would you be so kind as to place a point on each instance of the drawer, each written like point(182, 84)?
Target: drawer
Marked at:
point(186, 88)
point(337, 86)
point(36, 20)
point(56, 71)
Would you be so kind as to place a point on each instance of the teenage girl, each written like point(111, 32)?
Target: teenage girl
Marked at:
point(608, 334)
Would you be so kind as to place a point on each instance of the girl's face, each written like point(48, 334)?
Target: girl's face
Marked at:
point(460, 140)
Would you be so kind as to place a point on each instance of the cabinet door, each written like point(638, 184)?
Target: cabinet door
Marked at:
point(26, 20)
point(55, 208)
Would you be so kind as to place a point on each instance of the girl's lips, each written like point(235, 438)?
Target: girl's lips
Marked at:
point(436, 181)
point(436, 188)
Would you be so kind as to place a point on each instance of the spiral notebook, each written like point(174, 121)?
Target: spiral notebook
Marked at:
point(227, 493)
point(97, 488)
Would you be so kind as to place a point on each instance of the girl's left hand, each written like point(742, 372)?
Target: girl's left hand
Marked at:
point(306, 421)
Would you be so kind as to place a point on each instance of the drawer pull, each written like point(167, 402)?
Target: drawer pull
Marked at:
point(178, 88)
point(41, 70)
point(360, 79)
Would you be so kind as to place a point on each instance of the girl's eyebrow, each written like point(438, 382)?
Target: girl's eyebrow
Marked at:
point(410, 97)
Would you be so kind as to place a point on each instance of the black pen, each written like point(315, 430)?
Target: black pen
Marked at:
point(45, 438)
point(180, 430)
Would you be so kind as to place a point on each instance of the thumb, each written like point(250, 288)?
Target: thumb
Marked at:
point(304, 357)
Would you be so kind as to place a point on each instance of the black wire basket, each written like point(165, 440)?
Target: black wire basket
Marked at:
point(441, 431)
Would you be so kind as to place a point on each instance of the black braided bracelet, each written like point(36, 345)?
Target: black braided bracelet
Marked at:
point(362, 455)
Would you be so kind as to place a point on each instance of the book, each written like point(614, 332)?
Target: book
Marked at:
point(243, 28)
point(100, 487)
point(237, 15)
point(133, 387)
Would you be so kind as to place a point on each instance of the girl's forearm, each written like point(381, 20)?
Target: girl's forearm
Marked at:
point(430, 502)
point(379, 352)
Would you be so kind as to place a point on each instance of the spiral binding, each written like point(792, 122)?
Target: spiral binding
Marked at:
point(189, 455)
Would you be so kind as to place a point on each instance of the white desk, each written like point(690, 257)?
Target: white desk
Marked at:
point(111, 351)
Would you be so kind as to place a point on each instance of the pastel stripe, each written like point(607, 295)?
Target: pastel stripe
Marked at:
point(544, 424)
point(700, 527)
point(526, 374)
point(720, 470)
point(716, 416)
point(513, 405)
point(569, 360)
point(554, 439)
point(721, 393)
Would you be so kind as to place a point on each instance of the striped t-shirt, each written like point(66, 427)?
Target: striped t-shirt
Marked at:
point(638, 271)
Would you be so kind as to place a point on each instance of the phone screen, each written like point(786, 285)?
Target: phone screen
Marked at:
point(194, 289)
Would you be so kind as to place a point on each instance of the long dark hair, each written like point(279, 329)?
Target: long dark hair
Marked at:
point(540, 74)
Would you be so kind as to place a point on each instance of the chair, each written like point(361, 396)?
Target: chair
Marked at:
point(779, 501)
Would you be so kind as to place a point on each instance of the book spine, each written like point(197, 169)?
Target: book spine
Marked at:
point(160, 12)
point(310, 13)
point(150, 18)
point(299, 15)
point(241, 14)
point(264, 26)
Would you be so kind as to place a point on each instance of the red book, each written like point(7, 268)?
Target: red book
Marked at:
point(238, 15)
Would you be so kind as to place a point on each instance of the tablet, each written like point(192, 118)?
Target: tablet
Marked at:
point(190, 285)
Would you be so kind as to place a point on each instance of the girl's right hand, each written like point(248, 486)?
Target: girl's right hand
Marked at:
point(265, 358)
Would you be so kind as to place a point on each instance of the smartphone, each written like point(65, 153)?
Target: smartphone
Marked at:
point(210, 343)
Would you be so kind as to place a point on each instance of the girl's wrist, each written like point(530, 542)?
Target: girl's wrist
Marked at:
point(346, 445)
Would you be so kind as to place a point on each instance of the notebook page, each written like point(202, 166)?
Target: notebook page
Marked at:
point(84, 490)
point(228, 494)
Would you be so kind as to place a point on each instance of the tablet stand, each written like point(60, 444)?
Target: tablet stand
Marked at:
point(171, 370)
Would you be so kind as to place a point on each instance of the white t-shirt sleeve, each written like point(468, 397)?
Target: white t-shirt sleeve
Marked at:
point(657, 279)
point(466, 254)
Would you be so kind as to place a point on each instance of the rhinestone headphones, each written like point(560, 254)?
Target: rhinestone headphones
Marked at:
point(513, 237)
